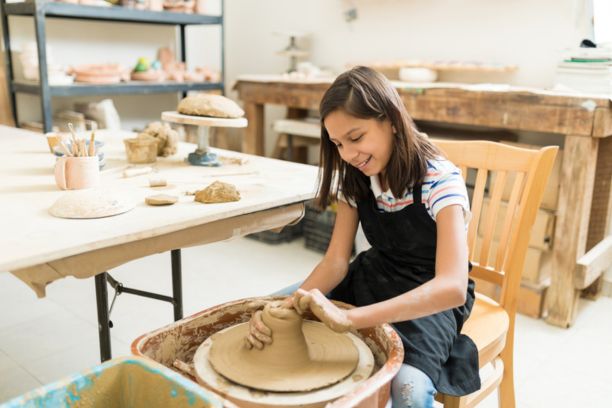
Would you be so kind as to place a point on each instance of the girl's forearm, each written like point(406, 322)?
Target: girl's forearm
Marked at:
point(326, 275)
point(432, 297)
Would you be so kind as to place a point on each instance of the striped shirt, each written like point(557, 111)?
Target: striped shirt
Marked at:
point(442, 186)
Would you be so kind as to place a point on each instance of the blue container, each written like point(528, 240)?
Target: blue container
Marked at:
point(121, 383)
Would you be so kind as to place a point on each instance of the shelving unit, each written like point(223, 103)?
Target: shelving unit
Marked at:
point(40, 10)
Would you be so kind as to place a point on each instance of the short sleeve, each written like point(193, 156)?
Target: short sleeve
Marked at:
point(447, 187)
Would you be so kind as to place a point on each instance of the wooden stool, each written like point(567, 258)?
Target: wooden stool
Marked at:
point(296, 133)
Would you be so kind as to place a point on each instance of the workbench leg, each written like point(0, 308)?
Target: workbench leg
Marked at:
point(253, 142)
point(601, 210)
point(571, 229)
point(103, 317)
point(177, 284)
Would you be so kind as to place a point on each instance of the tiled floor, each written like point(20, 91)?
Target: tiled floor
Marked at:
point(42, 340)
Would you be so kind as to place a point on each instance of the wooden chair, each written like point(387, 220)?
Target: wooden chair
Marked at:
point(491, 324)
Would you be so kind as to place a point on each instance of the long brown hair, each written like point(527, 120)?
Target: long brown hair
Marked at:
point(367, 94)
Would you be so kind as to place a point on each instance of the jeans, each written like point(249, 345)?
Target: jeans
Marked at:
point(288, 290)
point(411, 388)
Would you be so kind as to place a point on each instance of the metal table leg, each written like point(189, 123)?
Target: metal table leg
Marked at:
point(177, 284)
point(103, 327)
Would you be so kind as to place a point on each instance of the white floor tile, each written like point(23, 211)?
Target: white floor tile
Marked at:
point(16, 381)
point(80, 357)
point(44, 336)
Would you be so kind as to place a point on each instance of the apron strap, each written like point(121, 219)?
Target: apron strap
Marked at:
point(416, 193)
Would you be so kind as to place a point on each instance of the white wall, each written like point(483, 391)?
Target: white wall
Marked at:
point(528, 33)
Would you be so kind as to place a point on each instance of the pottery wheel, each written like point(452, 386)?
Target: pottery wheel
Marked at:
point(303, 356)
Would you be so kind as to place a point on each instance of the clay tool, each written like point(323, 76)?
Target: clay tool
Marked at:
point(92, 146)
point(184, 367)
point(72, 133)
point(136, 171)
point(157, 182)
point(65, 149)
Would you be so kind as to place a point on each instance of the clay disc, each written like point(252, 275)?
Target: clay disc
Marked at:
point(333, 357)
point(91, 203)
point(161, 199)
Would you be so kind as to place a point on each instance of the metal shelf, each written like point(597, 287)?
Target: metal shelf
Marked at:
point(114, 13)
point(41, 10)
point(131, 88)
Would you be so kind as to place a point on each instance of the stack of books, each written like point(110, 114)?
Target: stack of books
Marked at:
point(587, 70)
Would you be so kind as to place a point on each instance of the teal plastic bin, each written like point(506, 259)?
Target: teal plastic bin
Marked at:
point(127, 382)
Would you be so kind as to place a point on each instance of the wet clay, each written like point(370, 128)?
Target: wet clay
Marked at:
point(218, 192)
point(303, 356)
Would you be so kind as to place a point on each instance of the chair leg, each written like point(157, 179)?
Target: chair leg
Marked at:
point(454, 402)
point(506, 388)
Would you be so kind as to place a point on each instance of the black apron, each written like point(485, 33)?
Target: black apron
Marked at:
point(402, 257)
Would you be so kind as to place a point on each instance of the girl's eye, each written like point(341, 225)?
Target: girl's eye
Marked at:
point(357, 138)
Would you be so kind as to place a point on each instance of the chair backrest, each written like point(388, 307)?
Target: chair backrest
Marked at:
point(501, 170)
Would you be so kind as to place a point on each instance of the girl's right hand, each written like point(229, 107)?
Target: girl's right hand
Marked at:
point(259, 334)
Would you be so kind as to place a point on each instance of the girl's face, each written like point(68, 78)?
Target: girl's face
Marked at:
point(365, 144)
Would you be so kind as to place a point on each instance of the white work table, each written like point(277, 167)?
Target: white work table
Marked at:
point(39, 248)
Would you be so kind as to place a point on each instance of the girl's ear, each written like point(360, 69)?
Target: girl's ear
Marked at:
point(394, 129)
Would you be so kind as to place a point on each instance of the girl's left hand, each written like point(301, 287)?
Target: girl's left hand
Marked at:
point(330, 314)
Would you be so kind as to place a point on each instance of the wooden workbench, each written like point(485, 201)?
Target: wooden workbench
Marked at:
point(585, 122)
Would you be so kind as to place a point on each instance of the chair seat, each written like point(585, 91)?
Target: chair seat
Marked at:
point(487, 327)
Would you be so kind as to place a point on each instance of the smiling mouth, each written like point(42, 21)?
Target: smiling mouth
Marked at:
point(363, 163)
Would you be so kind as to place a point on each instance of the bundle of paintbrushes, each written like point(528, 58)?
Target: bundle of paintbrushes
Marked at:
point(79, 147)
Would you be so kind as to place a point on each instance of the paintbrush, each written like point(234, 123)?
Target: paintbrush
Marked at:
point(92, 147)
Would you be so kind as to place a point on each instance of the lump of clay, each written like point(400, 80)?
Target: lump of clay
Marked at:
point(216, 106)
point(161, 199)
point(218, 192)
point(167, 138)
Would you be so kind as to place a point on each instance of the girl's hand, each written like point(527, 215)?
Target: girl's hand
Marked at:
point(333, 317)
point(259, 334)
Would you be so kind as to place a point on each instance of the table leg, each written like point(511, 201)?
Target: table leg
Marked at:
point(103, 317)
point(601, 210)
point(177, 284)
point(254, 135)
point(571, 229)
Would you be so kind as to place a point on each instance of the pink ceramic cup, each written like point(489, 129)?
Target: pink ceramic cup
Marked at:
point(75, 173)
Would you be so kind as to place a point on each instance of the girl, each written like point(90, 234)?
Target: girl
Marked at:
point(413, 207)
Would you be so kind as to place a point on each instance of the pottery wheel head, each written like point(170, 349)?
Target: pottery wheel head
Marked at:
point(303, 356)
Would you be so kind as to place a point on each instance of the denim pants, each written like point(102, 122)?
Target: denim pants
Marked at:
point(411, 387)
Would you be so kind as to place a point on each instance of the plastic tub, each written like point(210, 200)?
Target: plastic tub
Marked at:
point(180, 340)
point(121, 383)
